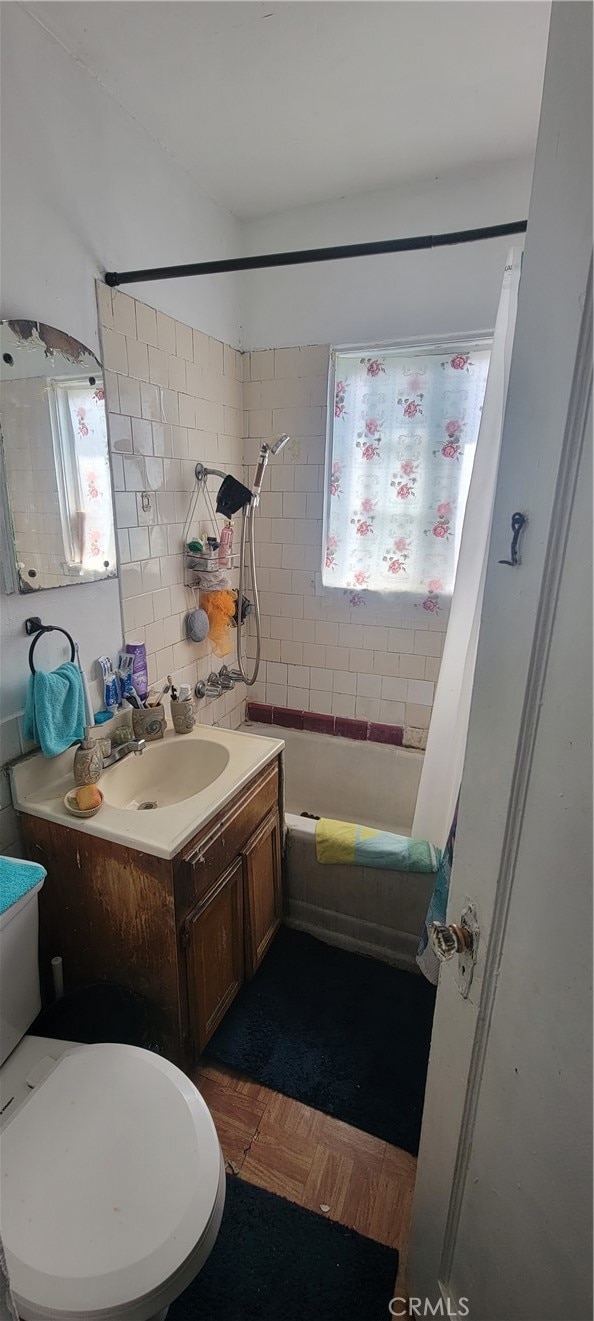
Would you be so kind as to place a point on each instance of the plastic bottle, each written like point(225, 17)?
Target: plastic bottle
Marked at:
point(140, 672)
point(226, 546)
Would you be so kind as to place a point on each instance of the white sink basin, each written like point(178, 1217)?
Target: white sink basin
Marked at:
point(164, 774)
point(190, 778)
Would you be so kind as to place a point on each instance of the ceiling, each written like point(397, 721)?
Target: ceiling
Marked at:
point(271, 106)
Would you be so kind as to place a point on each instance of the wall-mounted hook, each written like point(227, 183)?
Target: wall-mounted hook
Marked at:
point(518, 522)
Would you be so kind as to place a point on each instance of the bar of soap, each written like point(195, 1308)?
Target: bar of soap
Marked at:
point(87, 796)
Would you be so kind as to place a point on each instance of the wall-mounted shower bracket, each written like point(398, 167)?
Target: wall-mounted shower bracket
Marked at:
point(202, 473)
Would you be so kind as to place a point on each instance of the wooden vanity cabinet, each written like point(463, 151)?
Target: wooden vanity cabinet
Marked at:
point(213, 940)
point(262, 890)
point(185, 933)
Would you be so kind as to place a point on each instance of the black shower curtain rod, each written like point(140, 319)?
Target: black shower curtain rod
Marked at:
point(316, 254)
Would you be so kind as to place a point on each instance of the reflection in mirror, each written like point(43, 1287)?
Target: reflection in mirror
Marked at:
point(56, 487)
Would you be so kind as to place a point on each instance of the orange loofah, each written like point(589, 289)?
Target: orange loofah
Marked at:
point(220, 608)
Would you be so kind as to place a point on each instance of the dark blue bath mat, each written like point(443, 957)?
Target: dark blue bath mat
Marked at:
point(343, 1033)
point(275, 1260)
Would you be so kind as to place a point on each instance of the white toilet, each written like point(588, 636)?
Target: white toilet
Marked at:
point(112, 1178)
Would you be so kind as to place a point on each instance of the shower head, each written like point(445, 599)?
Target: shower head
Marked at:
point(265, 451)
point(279, 444)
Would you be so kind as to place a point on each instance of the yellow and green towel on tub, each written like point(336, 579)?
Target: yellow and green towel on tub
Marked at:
point(342, 842)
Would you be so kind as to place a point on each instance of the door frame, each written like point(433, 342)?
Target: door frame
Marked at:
point(574, 438)
point(571, 452)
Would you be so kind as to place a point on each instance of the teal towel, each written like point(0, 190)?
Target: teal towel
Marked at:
point(16, 877)
point(55, 709)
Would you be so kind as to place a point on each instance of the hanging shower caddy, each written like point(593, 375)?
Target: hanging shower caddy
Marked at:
point(205, 570)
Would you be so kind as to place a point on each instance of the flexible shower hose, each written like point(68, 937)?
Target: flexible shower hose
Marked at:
point(248, 517)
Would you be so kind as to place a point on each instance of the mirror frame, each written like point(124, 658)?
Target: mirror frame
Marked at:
point(53, 342)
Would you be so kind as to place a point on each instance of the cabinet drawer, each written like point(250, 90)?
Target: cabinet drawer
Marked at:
point(210, 852)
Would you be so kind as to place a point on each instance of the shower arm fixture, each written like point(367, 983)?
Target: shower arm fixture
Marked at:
point(202, 473)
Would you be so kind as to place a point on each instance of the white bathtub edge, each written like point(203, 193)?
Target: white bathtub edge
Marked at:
point(400, 953)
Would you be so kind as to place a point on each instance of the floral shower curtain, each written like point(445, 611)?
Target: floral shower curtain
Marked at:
point(402, 445)
point(446, 745)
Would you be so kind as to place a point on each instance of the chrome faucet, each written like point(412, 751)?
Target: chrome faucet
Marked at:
point(212, 688)
point(226, 678)
point(135, 745)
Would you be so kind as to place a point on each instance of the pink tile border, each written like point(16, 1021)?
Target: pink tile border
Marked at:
point(347, 728)
point(318, 723)
point(287, 716)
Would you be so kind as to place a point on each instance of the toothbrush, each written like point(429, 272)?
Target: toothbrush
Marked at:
point(90, 718)
point(156, 700)
point(173, 688)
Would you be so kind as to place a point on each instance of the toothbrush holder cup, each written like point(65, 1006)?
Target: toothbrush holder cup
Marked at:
point(149, 723)
point(182, 715)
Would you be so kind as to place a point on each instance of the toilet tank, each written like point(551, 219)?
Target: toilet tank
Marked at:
point(20, 999)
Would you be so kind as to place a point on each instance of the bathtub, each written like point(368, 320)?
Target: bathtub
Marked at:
point(379, 913)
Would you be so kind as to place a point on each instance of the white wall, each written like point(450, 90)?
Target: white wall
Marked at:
point(84, 188)
point(378, 298)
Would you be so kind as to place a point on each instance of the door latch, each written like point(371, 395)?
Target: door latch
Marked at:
point(458, 938)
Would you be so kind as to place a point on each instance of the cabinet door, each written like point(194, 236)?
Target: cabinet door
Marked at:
point(262, 871)
point(213, 935)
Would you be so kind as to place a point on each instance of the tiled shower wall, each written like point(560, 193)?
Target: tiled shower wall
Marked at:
point(320, 653)
point(174, 397)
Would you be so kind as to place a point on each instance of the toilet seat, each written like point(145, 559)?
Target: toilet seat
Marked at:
point(112, 1187)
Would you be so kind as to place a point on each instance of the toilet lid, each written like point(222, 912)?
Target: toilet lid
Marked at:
point(110, 1174)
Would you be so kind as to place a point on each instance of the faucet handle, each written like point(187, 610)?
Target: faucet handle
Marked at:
point(212, 688)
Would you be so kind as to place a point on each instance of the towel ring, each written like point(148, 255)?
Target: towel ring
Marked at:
point(49, 628)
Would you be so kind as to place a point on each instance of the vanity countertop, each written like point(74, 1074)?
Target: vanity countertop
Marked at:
point(39, 786)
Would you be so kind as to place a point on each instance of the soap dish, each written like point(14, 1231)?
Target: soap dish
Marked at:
point(71, 805)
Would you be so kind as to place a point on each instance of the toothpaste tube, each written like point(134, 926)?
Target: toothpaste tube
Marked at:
point(126, 674)
point(111, 692)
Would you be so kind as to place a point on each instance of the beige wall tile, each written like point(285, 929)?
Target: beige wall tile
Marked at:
point(418, 715)
point(261, 365)
point(120, 433)
point(151, 415)
point(104, 305)
point(124, 313)
point(115, 358)
point(146, 324)
point(166, 332)
point(184, 342)
point(138, 365)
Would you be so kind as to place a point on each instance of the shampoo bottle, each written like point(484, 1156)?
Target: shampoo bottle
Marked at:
point(226, 545)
